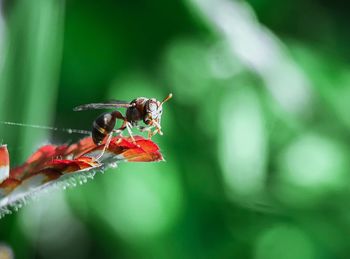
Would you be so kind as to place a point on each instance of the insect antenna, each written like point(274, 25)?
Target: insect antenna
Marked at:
point(166, 99)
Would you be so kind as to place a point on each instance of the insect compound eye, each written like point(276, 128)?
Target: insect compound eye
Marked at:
point(152, 106)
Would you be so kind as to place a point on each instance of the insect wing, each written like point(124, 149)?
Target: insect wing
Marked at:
point(112, 104)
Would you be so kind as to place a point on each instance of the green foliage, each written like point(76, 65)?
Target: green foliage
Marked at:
point(255, 138)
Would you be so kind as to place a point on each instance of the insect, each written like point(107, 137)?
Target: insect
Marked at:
point(148, 110)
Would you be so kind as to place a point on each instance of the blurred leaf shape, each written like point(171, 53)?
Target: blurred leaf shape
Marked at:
point(187, 68)
point(259, 50)
point(243, 143)
point(50, 219)
point(30, 68)
point(66, 165)
point(142, 205)
point(331, 80)
point(276, 240)
point(311, 168)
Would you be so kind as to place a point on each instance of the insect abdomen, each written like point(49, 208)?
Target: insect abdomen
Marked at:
point(102, 126)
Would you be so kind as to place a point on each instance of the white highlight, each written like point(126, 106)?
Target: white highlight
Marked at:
point(314, 161)
point(243, 147)
point(4, 173)
point(260, 50)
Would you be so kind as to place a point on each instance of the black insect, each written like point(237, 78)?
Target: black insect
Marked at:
point(148, 110)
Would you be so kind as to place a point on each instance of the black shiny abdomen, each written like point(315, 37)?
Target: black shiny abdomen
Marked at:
point(102, 126)
point(97, 136)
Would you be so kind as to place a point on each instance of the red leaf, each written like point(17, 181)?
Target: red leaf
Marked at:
point(63, 165)
point(4, 163)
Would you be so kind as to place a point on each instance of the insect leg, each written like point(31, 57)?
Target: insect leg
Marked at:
point(105, 146)
point(117, 115)
point(126, 124)
point(119, 133)
point(128, 127)
point(143, 128)
point(148, 129)
point(159, 128)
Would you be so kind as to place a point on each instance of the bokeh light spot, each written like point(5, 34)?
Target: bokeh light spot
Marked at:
point(284, 241)
point(6, 252)
point(310, 168)
point(243, 146)
point(188, 69)
point(144, 203)
point(51, 225)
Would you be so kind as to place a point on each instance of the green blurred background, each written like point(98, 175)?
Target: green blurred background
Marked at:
point(256, 136)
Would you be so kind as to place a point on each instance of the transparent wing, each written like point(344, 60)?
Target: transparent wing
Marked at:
point(112, 104)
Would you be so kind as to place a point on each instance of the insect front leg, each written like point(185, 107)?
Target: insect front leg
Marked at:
point(148, 129)
point(158, 128)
